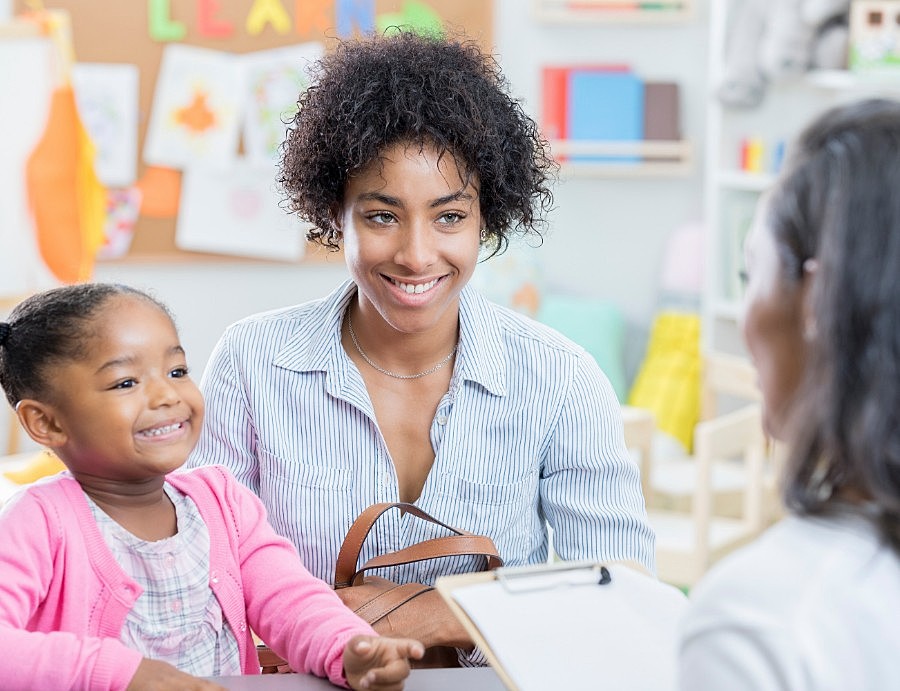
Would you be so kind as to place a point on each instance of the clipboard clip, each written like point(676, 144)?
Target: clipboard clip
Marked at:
point(562, 575)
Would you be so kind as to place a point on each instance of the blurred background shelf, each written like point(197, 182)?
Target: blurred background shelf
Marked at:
point(613, 11)
point(623, 158)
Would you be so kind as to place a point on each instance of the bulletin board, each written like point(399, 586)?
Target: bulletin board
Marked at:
point(118, 31)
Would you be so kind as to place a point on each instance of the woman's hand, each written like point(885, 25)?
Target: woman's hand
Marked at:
point(155, 675)
point(378, 663)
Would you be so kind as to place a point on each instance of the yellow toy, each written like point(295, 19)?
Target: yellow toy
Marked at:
point(668, 381)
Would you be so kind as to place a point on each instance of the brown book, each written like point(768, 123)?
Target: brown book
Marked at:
point(662, 120)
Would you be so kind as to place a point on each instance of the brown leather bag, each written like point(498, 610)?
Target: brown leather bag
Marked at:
point(387, 596)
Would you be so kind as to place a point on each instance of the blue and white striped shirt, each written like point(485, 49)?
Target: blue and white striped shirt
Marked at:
point(528, 433)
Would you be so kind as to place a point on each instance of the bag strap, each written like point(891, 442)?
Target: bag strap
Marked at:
point(386, 602)
point(463, 543)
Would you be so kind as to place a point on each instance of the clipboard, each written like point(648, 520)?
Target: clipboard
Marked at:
point(571, 625)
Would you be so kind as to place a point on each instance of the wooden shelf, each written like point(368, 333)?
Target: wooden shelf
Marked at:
point(613, 11)
point(623, 158)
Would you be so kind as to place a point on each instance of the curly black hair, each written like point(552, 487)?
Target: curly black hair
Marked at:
point(425, 90)
point(52, 327)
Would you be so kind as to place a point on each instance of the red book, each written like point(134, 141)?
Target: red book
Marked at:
point(555, 90)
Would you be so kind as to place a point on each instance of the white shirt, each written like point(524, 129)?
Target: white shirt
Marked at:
point(529, 431)
point(813, 604)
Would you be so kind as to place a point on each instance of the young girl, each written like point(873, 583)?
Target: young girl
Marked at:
point(119, 573)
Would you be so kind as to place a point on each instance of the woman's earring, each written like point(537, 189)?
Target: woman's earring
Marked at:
point(483, 235)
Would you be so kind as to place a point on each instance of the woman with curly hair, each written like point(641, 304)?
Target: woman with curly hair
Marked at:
point(813, 603)
point(405, 385)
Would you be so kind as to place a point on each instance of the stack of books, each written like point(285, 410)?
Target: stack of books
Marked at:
point(607, 103)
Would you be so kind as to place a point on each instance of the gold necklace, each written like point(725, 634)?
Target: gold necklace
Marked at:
point(395, 375)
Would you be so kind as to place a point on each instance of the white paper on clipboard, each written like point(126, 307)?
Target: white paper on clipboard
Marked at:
point(574, 625)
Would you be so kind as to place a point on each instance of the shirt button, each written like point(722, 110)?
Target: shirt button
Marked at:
point(170, 561)
point(442, 419)
point(214, 577)
point(242, 626)
point(176, 605)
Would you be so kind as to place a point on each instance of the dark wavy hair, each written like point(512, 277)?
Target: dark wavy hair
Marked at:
point(839, 201)
point(403, 87)
point(49, 328)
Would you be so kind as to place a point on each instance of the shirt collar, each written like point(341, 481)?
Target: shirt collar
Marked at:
point(482, 350)
point(316, 345)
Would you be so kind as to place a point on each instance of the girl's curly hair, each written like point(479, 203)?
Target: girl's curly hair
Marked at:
point(425, 90)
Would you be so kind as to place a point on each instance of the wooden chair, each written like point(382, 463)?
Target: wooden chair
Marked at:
point(640, 428)
point(714, 501)
point(728, 383)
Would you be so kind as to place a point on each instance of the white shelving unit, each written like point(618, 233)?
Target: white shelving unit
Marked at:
point(731, 193)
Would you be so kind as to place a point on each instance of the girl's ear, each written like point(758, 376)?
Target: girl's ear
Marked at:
point(40, 422)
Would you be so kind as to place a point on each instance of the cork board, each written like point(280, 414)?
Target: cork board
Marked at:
point(136, 32)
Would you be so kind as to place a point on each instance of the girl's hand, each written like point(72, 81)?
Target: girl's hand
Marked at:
point(377, 663)
point(155, 675)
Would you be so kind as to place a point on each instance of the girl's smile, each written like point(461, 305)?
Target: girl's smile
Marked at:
point(147, 411)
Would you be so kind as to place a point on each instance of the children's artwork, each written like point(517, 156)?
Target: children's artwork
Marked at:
point(196, 108)
point(236, 211)
point(107, 97)
point(26, 78)
point(122, 209)
point(274, 78)
point(875, 35)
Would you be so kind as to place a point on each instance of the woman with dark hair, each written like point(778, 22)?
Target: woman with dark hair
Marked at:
point(405, 385)
point(813, 603)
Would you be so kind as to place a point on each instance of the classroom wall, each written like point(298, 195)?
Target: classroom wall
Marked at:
point(608, 235)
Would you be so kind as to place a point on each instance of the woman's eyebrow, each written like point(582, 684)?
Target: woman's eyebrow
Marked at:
point(454, 197)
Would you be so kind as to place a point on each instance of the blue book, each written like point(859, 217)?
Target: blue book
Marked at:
point(605, 105)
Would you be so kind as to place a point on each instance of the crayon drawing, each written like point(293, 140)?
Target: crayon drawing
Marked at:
point(196, 108)
point(122, 209)
point(274, 79)
point(237, 211)
point(107, 97)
